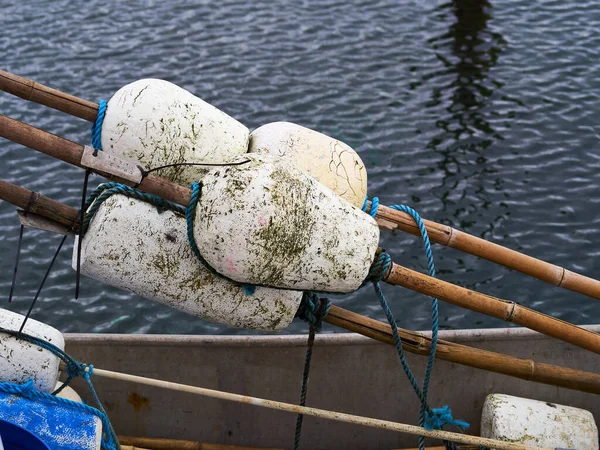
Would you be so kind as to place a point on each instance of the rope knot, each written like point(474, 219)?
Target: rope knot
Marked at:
point(313, 309)
point(380, 267)
point(438, 417)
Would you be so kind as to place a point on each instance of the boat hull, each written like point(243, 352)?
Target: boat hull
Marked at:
point(349, 373)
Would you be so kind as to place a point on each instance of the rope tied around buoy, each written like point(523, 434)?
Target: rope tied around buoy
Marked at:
point(74, 369)
point(97, 125)
point(107, 190)
point(430, 419)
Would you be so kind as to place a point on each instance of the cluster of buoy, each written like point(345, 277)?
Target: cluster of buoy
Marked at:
point(281, 211)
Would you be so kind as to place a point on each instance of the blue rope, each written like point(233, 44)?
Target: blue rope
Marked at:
point(97, 125)
point(313, 310)
point(428, 418)
point(74, 369)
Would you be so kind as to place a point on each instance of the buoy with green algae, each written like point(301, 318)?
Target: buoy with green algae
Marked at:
point(154, 123)
point(131, 245)
point(266, 222)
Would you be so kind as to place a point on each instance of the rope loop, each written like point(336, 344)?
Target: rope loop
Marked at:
point(97, 125)
point(380, 268)
point(313, 309)
point(374, 206)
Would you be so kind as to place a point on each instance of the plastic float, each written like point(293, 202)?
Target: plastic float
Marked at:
point(268, 223)
point(21, 361)
point(130, 245)
point(538, 423)
point(156, 123)
point(329, 161)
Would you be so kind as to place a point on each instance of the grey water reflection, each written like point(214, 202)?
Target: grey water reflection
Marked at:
point(468, 50)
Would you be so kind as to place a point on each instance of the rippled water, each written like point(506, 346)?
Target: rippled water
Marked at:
point(481, 115)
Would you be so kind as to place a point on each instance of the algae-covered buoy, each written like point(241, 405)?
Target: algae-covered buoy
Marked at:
point(131, 245)
point(21, 361)
point(266, 222)
point(329, 161)
point(155, 123)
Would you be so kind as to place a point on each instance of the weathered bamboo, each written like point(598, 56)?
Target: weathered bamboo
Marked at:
point(390, 219)
point(179, 444)
point(501, 309)
point(71, 152)
point(38, 93)
point(387, 218)
point(411, 341)
point(316, 412)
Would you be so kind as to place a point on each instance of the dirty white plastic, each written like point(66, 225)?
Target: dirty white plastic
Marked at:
point(536, 423)
point(331, 162)
point(69, 393)
point(155, 123)
point(130, 245)
point(266, 222)
point(21, 361)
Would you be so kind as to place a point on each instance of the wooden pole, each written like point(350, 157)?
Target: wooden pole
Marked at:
point(501, 309)
point(387, 218)
point(38, 93)
point(71, 152)
point(411, 341)
point(179, 444)
point(390, 219)
point(316, 412)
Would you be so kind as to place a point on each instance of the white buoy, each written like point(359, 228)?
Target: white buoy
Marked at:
point(155, 123)
point(329, 161)
point(536, 423)
point(266, 222)
point(130, 245)
point(21, 361)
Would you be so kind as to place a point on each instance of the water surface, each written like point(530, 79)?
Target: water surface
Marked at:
point(481, 115)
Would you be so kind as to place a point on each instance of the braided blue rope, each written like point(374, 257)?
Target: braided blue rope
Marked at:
point(74, 369)
point(97, 125)
point(428, 418)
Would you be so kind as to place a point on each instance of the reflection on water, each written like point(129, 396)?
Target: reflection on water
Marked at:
point(468, 50)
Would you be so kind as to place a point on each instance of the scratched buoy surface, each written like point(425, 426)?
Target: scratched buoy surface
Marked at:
point(538, 423)
point(130, 245)
point(21, 361)
point(267, 222)
point(329, 161)
point(155, 123)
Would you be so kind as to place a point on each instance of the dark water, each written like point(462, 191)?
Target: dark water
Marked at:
point(481, 115)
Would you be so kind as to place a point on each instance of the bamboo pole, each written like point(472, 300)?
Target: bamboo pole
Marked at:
point(316, 412)
point(38, 93)
point(179, 444)
point(501, 309)
point(411, 341)
point(387, 218)
point(71, 152)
